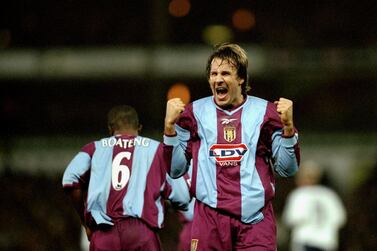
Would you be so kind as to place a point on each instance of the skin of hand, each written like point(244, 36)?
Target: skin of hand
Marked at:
point(285, 109)
point(174, 108)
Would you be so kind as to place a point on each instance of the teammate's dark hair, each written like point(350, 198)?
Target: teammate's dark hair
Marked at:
point(122, 117)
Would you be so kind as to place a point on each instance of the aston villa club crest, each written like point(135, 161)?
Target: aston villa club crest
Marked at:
point(194, 244)
point(229, 133)
point(229, 129)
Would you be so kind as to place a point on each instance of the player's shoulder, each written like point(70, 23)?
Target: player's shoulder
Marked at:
point(135, 141)
point(106, 141)
point(265, 105)
point(326, 191)
point(197, 105)
point(89, 148)
point(258, 101)
point(301, 192)
point(202, 104)
point(146, 140)
point(203, 101)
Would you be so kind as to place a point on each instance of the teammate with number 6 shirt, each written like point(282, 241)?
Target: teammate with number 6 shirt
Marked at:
point(233, 141)
point(118, 186)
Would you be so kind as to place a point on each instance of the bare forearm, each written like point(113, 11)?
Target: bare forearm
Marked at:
point(169, 129)
point(288, 130)
point(77, 198)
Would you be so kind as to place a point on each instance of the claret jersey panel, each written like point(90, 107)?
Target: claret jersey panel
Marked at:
point(230, 157)
point(127, 178)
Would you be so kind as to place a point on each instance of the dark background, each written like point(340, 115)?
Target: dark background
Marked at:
point(341, 99)
point(321, 54)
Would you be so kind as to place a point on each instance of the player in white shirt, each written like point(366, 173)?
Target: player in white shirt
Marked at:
point(314, 212)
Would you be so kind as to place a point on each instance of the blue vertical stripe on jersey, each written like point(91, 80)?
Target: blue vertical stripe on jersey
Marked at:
point(100, 182)
point(134, 200)
point(183, 136)
point(160, 216)
point(252, 191)
point(205, 114)
point(256, 178)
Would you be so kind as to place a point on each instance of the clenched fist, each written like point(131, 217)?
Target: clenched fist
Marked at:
point(285, 109)
point(174, 108)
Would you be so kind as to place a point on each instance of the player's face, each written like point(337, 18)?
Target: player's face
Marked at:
point(225, 83)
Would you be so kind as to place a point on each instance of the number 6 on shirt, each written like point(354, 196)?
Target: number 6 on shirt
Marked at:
point(120, 173)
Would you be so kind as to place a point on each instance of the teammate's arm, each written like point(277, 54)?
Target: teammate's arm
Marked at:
point(76, 179)
point(77, 198)
point(178, 194)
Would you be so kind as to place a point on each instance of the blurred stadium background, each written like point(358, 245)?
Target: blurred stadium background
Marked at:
point(63, 64)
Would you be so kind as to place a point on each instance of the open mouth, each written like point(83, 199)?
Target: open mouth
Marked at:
point(221, 91)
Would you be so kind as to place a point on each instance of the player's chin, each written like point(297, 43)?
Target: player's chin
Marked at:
point(222, 102)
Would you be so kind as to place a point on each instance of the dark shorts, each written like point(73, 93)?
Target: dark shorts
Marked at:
point(129, 234)
point(213, 230)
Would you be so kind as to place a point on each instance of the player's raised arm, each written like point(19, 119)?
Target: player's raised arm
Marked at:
point(285, 109)
point(177, 136)
point(174, 108)
point(285, 148)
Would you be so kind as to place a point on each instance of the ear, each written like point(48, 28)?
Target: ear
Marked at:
point(242, 81)
point(140, 128)
point(111, 132)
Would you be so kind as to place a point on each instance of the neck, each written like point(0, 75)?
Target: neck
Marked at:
point(239, 101)
point(130, 132)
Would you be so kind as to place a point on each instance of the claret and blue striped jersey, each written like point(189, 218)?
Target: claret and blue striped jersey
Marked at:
point(125, 176)
point(232, 154)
